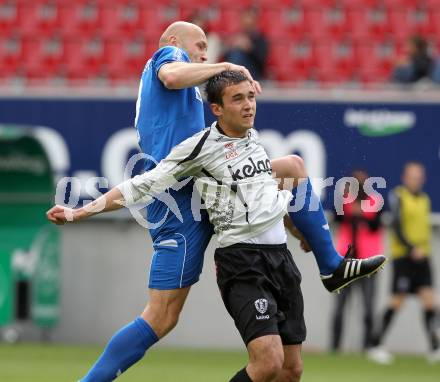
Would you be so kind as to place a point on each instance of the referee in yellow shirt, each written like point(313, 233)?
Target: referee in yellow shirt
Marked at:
point(410, 250)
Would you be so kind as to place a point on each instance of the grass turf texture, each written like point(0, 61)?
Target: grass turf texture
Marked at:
point(38, 363)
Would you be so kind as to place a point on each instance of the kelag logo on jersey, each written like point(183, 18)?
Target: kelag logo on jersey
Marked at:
point(379, 123)
point(249, 170)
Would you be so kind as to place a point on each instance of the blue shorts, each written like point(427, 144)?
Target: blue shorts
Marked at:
point(179, 247)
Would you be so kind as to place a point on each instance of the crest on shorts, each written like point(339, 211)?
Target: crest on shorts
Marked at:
point(261, 305)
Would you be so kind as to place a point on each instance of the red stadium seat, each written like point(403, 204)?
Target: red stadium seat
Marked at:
point(366, 25)
point(83, 58)
point(289, 73)
point(11, 13)
point(121, 20)
point(401, 4)
point(81, 19)
point(10, 56)
point(400, 25)
point(330, 76)
point(279, 29)
point(125, 60)
point(228, 21)
point(153, 21)
point(357, 24)
point(430, 25)
point(241, 4)
point(433, 5)
point(40, 17)
point(359, 4)
point(325, 23)
point(40, 58)
point(297, 22)
point(378, 22)
point(290, 61)
point(375, 61)
point(318, 4)
point(337, 58)
point(405, 23)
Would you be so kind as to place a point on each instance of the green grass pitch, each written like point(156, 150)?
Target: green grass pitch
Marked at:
point(47, 363)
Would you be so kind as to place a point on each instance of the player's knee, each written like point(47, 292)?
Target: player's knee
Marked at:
point(271, 365)
point(294, 372)
point(161, 319)
point(171, 321)
point(166, 322)
point(297, 167)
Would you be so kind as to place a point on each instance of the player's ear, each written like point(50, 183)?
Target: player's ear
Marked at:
point(172, 40)
point(216, 109)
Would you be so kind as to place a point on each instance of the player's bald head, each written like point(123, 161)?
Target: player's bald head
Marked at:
point(178, 32)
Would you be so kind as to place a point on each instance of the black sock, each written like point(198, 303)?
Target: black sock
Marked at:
point(430, 316)
point(386, 320)
point(241, 376)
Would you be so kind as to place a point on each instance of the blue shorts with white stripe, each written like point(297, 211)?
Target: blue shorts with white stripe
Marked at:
point(179, 247)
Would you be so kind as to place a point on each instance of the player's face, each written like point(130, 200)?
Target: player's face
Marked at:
point(196, 45)
point(237, 114)
point(414, 177)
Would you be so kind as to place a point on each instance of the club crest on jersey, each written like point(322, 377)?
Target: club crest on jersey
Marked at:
point(231, 151)
point(249, 170)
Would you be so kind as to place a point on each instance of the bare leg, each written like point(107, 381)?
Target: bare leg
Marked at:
point(292, 366)
point(163, 309)
point(266, 358)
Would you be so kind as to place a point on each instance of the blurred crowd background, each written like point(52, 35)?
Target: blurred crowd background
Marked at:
point(287, 42)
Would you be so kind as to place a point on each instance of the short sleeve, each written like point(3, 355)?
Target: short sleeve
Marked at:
point(169, 54)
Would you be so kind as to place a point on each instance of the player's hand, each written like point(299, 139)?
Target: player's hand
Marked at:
point(60, 215)
point(242, 69)
point(305, 246)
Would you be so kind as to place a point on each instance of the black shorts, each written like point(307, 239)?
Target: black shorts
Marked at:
point(410, 275)
point(260, 287)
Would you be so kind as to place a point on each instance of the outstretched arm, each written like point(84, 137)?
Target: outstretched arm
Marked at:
point(110, 201)
point(180, 75)
point(179, 163)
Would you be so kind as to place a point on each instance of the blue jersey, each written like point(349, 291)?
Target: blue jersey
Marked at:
point(164, 117)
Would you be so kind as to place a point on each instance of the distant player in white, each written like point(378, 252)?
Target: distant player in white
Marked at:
point(256, 274)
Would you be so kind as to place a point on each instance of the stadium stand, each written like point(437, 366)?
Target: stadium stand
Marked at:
point(323, 41)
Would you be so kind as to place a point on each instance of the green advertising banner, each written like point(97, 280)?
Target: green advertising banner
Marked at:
point(5, 288)
point(29, 246)
point(46, 277)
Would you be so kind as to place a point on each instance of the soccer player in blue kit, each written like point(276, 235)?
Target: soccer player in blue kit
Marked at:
point(169, 110)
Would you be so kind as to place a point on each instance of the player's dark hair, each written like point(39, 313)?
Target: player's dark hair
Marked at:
point(217, 84)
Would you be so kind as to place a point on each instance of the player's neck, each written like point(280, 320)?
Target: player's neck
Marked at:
point(230, 132)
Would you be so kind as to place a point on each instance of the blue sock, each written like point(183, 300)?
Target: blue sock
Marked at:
point(308, 216)
point(125, 348)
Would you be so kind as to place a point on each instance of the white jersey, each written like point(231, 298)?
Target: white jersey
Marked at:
point(233, 180)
